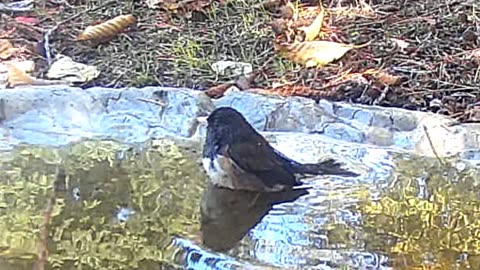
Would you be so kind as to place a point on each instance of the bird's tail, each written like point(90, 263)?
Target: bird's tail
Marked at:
point(329, 166)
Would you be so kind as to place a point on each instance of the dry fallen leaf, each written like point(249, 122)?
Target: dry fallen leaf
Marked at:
point(107, 29)
point(314, 53)
point(388, 79)
point(18, 77)
point(6, 49)
point(25, 66)
point(314, 29)
point(68, 70)
point(218, 90)
point(385, 77)
point(242, 83)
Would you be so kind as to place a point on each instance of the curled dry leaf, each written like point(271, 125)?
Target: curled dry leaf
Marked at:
point(388, 79)
point(6, 49)
point(242, 83)
point(107, 29)
point(218, 90)
point(314, 53)
point(385, 77)
point(314, 29)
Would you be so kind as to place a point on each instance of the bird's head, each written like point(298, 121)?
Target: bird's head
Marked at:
point(225, 116)
point(224, 123)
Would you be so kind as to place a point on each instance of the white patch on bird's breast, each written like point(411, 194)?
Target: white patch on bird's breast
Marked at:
point(223, 173)
point(217, 175)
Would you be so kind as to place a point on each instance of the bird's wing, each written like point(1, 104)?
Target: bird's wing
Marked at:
point(259, 158)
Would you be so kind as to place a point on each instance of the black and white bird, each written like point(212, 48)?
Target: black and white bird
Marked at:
point(236, 156)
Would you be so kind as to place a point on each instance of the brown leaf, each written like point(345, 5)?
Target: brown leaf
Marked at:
point(107, 29)
point(385, 77)
point(389, 79)
point(6, 49)
point(314, 53)
point(218, 90)
point(243, 83)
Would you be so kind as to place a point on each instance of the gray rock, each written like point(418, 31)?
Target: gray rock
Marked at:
point(60, 114)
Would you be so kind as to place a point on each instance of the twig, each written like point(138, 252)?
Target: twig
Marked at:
point(161, 104)
point(431, 145)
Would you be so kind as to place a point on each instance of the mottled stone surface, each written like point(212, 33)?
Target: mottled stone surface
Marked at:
point(57, 115)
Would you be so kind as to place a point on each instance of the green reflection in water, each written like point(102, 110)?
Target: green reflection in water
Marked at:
point(428, 218)
point(162, 184)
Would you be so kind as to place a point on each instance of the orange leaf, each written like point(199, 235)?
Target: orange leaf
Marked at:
point(107, 29)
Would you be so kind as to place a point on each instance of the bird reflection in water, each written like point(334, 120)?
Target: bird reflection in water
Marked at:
point(227, 215)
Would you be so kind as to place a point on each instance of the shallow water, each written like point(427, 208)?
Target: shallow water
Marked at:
point(148, 206)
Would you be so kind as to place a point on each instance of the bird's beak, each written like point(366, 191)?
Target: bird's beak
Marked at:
point(202, 120)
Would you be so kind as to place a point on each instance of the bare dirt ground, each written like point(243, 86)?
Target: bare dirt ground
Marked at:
point(429, 48)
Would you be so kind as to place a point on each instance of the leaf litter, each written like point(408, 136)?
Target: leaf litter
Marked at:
point(419, 55)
